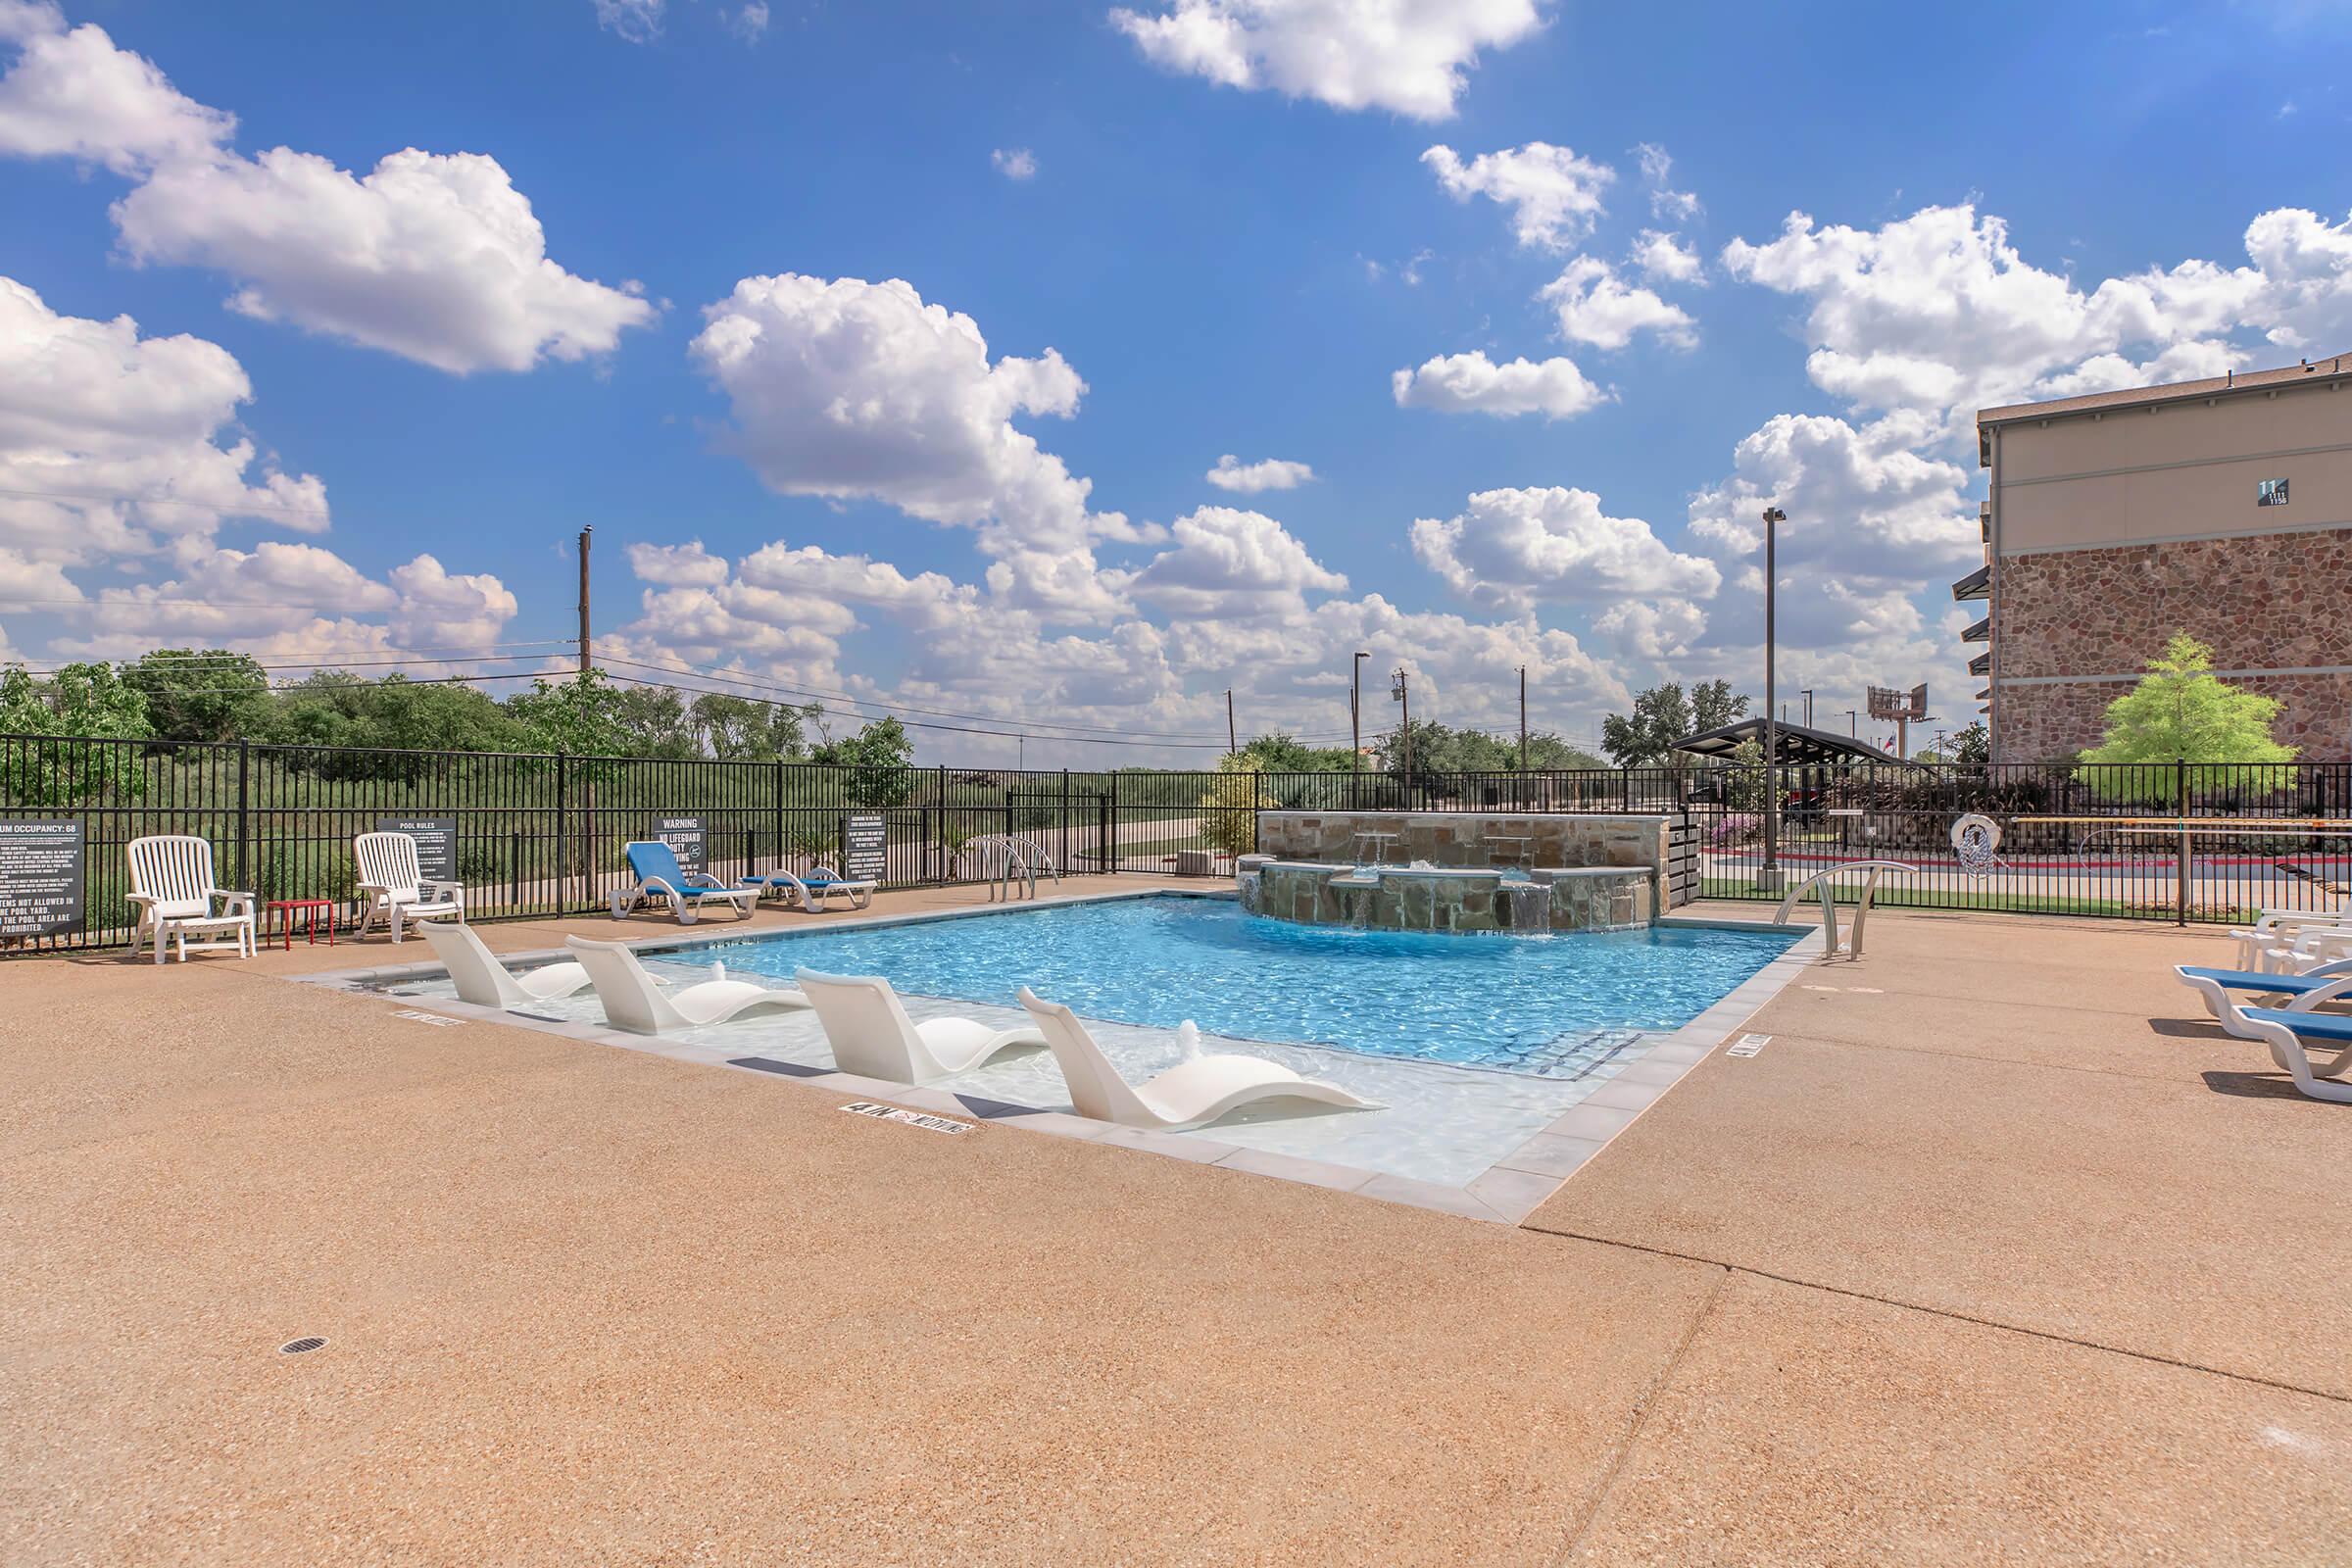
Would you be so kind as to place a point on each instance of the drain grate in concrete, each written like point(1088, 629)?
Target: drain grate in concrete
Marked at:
point(309, 1342)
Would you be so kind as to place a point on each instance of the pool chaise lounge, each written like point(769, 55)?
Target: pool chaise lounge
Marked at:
point(632, 1002)
point(871, 1036)
point(485, 982)
point(811, 889)
point(2291, 940)
point(659, 875)
point(2216, 985)
point(1192, 1095)
point(2291, 1031)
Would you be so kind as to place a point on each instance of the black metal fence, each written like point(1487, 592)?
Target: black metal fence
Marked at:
point(542, 835)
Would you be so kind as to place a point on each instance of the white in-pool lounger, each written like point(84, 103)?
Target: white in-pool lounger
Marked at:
point(1192, 1095)
point(484, 980)
point(632, 1002)
point(872, 1035)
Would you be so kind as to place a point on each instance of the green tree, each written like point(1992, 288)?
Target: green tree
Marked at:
point(745, 729)
point(879, 757)
point(1278, 753)
point(2180, 710)
point(1645, 736)
point(1229, 808)
point(78, 700)
point(1968, 748)
point(1713, 704)
point(210, 695)
point(579, 717)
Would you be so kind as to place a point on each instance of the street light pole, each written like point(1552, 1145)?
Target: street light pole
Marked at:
point(1808, 696)
point(1853, 724)
point(1768, 878)
point(1523, 719)
point(1404, 695)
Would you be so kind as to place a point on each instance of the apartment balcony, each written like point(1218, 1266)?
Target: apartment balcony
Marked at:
point(1982, 665)
point(1977, 584)
point(1980, 632)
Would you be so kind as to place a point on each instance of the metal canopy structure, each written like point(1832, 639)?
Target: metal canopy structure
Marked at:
point(1800, 747)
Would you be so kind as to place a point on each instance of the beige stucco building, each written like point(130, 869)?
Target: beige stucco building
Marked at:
point(2218, 507)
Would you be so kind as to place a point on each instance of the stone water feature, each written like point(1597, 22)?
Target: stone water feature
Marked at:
point(1445, 871)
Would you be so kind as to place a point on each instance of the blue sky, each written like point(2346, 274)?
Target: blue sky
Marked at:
point(1190, 228)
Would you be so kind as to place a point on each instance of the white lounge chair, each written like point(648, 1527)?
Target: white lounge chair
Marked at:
point(2217, 987)
point(487, 983)
point(632, 1002)
point(395, 890)
point(2272, 940)
point(1192, 1095)
point(811, 889)
point(870, 1034)
point(2291, 1031)
point(172, 885)
point(659, 875)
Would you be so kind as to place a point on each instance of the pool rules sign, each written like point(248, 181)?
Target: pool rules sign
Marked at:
point(864, 843)
point(41, 891)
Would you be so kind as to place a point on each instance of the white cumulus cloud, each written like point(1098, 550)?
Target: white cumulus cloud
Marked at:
point(1247, 478)
point(1233, 566)
point(1554, 196)
point(636, 21)
point(1409, 57)
point(435, 258)
point(73, 94)
point(1471, 383)
point(1665, 257)
point(849, 389)
point(1658, 174)
point(1516, 547)
point(1593, 305)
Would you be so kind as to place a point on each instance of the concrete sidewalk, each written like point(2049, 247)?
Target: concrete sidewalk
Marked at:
point(1903, 1288)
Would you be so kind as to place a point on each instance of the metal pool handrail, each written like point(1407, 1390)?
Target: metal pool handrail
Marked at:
point(1829, 902)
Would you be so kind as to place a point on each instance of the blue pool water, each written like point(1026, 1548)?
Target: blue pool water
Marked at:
point(1542, 1005)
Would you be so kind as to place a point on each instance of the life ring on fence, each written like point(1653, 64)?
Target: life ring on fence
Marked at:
point(1975, 838)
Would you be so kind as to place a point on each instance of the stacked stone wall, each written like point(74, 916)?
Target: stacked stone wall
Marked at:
point(2268, 601)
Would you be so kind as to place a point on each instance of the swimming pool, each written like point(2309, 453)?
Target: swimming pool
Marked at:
point(1546, 1006)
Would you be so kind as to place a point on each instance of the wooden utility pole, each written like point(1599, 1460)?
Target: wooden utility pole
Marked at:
point(1232, 739)
point(585, 644)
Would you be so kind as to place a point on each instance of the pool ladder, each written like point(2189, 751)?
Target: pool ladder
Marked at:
point(1819, 880)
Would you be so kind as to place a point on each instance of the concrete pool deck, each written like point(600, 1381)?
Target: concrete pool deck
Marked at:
point(1996, 1252)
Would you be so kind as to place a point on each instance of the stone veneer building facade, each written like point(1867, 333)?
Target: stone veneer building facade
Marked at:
point(2221, 507)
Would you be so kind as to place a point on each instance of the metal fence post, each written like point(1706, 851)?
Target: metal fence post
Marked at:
point(1062, 856)
point(562, 836)
point(1110, 849)
point(780, 849)
point(245, 818)
point(2180, 806)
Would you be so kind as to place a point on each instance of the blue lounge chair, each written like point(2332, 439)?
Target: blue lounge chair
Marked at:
point(2288, 1031)
point(659, 875)
point(2216, 985)
point(811, 888)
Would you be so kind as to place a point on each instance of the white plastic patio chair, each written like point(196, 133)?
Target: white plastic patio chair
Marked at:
point(487, 983)
point(395, 890)
point(2271, 941)
point(870, 1034)
point(1192, 1095)
point(171, 884)
point(633, 1003)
